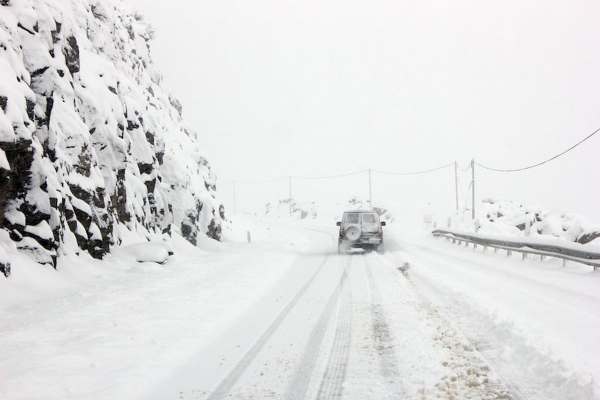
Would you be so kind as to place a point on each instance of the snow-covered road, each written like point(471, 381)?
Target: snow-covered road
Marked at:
point(288, 318)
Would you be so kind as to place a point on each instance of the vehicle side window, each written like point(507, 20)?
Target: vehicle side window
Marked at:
point(369, 218)
point(351, 218)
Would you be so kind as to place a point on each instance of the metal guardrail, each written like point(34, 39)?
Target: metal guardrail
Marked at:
point(525, 247)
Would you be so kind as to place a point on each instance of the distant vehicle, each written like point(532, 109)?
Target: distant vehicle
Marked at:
point(360, 230)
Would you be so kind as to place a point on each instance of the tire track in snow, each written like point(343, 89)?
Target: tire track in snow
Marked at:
point(221, 391)
point(331, 386)
point(471, 372)
point(300, 383)
point(544, 377)
point(382, 336)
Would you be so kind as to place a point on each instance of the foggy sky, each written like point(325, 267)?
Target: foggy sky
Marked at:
point(278, 87)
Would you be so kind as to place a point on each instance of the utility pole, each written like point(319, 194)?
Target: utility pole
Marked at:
point(290, 193)
point(473, 189)
point(370, 189)
point(456, 184)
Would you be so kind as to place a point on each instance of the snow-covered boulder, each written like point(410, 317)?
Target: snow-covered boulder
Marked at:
point(89, 138)
point(156, 252)
point(509, 218)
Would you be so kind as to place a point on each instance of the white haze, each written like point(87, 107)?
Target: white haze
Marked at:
point(322, 87)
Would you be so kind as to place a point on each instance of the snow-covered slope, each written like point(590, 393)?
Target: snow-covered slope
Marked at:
point(91, 145)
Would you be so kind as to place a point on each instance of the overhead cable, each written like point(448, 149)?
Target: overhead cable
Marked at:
point(541, 162)
point(425, 171)
point(330, 176)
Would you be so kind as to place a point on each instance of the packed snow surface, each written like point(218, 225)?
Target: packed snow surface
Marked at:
point(285, 316)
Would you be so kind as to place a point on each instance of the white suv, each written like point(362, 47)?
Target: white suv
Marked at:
point(360, 229)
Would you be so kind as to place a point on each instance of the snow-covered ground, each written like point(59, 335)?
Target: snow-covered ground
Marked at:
point(285, 316)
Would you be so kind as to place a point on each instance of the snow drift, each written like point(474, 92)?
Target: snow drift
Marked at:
point(513, 219)
point(90, 141)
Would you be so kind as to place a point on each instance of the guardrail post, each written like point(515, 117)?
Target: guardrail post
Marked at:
point(474, 246)
point(508, 253)
point(484, 249)
point(541, 258)
point(495, 250)
point(565, 263)
point(524, 255)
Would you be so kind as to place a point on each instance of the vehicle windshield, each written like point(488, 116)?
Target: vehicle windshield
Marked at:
point(369, 218)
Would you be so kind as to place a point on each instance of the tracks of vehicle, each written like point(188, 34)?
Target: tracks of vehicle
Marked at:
point(300, 383)
point(332, 383)
point(382, 336)
point(222, 390)
point(527, 372)
point(469, 373)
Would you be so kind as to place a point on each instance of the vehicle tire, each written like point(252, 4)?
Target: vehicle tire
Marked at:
point(340, 247)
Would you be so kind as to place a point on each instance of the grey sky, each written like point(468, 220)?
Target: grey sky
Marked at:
point(281, 87)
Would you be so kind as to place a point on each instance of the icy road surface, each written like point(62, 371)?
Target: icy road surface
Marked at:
point(288, 318)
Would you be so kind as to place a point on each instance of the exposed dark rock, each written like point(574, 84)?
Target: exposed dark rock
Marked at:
point(131, 125)
point(81, 194)
point(150, 185)
point(3, 102)
point(214, 230)
point(16, 181)
point(119, 198)
point(5, 266)
point(145, 168)
point(49, 107)
point(150, 137)
point(19, 25)
point(71, 52)
point(30, 105)
point(588, 237)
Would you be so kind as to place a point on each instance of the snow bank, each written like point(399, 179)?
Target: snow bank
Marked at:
point(146, 252)
point(502, 219)
point(89, 138)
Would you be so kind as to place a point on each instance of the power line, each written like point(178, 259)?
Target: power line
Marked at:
point(425, 171)
point(541, 162)
point(288, 177)
point(362, 171)
point(254, 181)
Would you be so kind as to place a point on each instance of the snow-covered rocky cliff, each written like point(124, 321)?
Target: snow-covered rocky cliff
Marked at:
point(92, 147)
